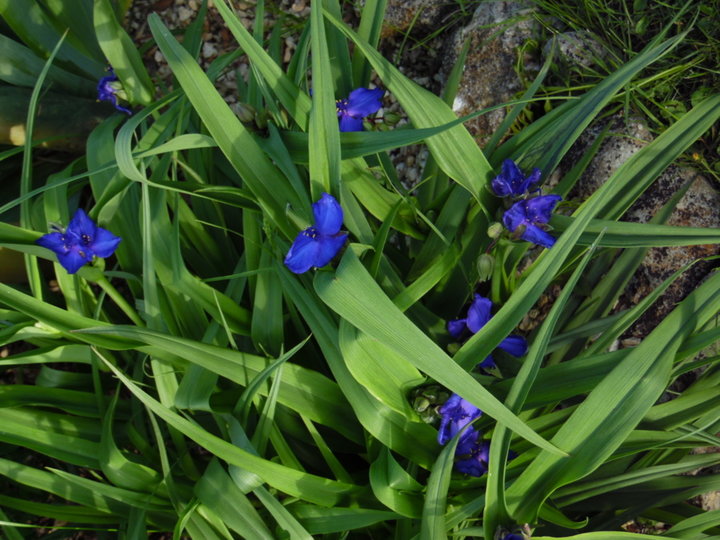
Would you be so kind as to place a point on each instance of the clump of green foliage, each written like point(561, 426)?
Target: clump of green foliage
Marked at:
point(667, 89)
point(191, 383)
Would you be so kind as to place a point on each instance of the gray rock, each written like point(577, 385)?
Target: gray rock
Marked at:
point(699, 207)
point(574, 49)
point(496, 31)
point(407, 15)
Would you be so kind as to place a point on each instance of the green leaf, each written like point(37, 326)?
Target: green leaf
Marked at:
point(216, 490)
point(433, 526)
point(375, 314)
point(122, 54)
point(296, 483)
point(324, 138)
point(379, 369)
point(455, 150)
point(614, 407)
point(267, 183)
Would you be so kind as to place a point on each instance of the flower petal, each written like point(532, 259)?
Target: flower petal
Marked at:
point(81, 224)
point(303, 252)
point(515, 345)
point(455, 414)
point(54, 241)
point(505, 184)
point(488, 363)
point(478, 313)
point(468, 441)
point(329, 247)
point(328, 215)
point(350, 123)
point(540, 208)
point(537, 236)
point(515, 216)
point(457, 327)
point(74, 259)
point(106, 91)
point(473, 466)
point(363, 101)
point(531, 180)
point(104, 243)
point(477, 463)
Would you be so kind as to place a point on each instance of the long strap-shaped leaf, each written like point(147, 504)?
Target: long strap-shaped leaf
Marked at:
point(292, 98)
point(355, 296)
point(271, 188)
point(324, 143)
point(495, 505)
point(642, 168)
point(411, 439)
point(626, 234)
point(546, 141)
point(297, 483)
point(119, 49)
point(455, 151)
point(616, 405)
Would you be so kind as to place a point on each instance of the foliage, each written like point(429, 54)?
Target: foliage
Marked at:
point(192, 383)
point(668, 88)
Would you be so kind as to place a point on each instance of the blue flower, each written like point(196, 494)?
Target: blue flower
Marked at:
point(80, 242)
point(512, 182)
point(528, 214)
point(108, 88)
point(456, 413)
point(317, 245)
point(513, 536)
point(475, 457)
point(474, 454)
point(360, 103)
point(478, 316)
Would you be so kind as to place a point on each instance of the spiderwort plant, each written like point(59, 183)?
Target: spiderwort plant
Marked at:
point(472, 452)
point(455, 414)
point(360, 103)
point(478, 315)
point(511, 182)
point(525, 216)
point(80, 242)
point(109, 89)
point(315, 246)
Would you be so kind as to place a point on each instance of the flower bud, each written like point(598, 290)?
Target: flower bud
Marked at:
point(421, 404)
point(495, 230)
point(391, 118)
point(245, 112)
point(485, 265)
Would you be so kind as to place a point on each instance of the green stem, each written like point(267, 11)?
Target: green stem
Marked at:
point(113, 293)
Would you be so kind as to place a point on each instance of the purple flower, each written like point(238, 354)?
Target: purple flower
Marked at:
point(512, 182)
point(474, 454)
point(360, 103)
point(80, 242)
point(108, 88)
point(317, 245)
point(456, 413)
point(513, 536)
point(478, 316)
point(529, 214)
point(474, 459)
